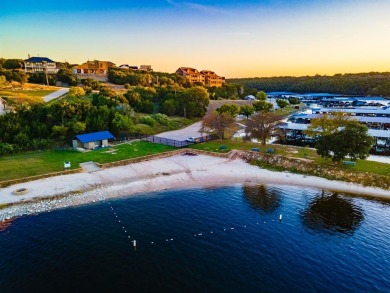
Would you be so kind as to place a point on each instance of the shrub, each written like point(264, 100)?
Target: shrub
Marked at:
point(148, 121)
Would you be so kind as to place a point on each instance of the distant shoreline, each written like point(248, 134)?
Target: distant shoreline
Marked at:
point(175, 172)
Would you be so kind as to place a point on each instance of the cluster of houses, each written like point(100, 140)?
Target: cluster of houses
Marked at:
point(100, 68)
point(374, 112)
point(205, 77)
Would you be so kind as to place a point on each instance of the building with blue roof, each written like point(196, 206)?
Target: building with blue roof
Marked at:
point(40, 64)
point(92, 140)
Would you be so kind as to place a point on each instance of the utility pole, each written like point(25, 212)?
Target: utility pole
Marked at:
point(45, 65)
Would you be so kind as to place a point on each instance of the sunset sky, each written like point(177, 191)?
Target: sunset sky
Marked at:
point(240, 38)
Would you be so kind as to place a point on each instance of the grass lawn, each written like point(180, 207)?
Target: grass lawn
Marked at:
point(37, 163)
point(294, 152)
point(30, 93)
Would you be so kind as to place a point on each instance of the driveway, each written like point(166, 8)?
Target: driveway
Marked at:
point(56, 94)
point(1, 108)
point(182, 134)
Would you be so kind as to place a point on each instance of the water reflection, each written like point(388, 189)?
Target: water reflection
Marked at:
point(333, 214)
point(261, 197)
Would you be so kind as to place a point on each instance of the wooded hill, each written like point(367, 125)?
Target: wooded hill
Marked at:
point(372, 83)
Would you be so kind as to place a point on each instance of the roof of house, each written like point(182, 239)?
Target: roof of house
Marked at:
point(189, 70)
point(94, 136)
point(39, 59)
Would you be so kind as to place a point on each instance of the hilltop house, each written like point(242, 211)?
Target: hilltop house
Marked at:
point(146, 68)
point(206, 77)
point(40, 64)
point(127, 66)
point(212, 79)
point(95, 67)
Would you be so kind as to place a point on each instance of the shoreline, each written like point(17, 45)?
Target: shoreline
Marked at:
point(174, 172)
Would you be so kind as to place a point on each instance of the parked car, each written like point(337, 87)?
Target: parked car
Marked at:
point(191, 139)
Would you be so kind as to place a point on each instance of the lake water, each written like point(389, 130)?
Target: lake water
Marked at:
point(225, 239)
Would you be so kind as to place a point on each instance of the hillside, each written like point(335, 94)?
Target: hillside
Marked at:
point(372, 83)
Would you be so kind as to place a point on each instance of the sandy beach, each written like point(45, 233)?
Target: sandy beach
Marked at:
point(175, 172)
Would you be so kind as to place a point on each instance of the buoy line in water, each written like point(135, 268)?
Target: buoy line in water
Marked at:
point(217, 231)
point(98, 194)
point(118, 220)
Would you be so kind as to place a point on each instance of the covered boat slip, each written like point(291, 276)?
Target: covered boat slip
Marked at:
point(295, 132)
point(373, 112)
point(380, 123)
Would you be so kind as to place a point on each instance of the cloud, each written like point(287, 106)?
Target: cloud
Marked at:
point(209, 9)
point(206, 8)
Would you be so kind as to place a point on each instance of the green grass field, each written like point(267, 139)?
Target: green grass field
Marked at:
point(295, 152)
point(30, 93)
point(37, 163)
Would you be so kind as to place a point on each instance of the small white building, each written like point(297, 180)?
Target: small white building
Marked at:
point(92, 140)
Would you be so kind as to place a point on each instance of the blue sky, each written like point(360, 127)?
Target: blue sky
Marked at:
point(233, 38)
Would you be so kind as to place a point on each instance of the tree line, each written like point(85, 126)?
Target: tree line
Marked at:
point(41, 126)
point(373, 84)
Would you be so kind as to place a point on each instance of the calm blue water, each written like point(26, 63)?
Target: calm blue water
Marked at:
point(325, 243)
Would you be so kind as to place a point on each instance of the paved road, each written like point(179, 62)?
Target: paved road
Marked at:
point(56, 94)
point(380, 159)
point(182, 134)
point(1, 108)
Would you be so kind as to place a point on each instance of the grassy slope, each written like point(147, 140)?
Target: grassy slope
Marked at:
point(36, 163)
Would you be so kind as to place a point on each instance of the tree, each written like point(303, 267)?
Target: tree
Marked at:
point(293, 101)
point(262, 96)
point(194, 101)
point(352, 140)
point(67, 76)
point(262, 106)
point(168, 107)
point(77, 91)
point(247, 110)
point(19, 76)
point(3, 81)
point(232, 109)
point(122, 123)
point(282, 103)
point(327, 124)
point(13, 64)
point(219, 122)
point(262, 125)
